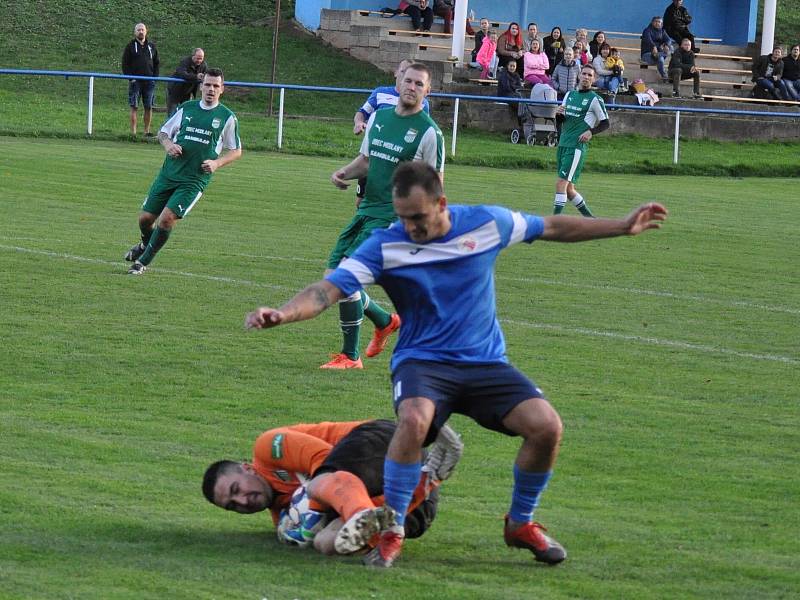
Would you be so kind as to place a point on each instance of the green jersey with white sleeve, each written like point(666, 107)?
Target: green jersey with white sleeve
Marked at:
point(389, 140)
point(202, 133)
point(582, 110)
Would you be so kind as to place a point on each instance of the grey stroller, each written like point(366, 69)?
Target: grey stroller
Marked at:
point(537, 122)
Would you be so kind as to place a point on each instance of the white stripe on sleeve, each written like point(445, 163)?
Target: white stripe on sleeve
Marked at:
point(520, 227)
point(359, 271)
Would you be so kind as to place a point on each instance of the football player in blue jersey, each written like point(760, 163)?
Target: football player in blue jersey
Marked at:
point(437, 266)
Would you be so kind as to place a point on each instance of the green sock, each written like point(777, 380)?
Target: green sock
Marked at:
point(581, 205)
point(147, 232)
point(157, 241)
point(351, 313)
point(374, 312)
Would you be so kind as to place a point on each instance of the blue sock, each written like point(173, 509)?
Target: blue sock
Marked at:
point(528, 487)
point(399, 482)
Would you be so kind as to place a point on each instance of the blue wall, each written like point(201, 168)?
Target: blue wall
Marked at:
point(732, 20)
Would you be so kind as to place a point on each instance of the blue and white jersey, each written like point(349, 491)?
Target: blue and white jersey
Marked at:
point(384, 97)
point(443, 290)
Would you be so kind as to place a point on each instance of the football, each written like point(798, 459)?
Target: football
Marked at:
point(298, 524)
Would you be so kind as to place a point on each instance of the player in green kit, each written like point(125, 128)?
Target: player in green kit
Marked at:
point(584, 115)
point(393, 135)
point(194, 139)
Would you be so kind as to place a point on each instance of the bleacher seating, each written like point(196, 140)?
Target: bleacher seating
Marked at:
point(725, 74)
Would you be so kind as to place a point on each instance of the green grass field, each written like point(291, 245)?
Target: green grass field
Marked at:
point(672, 359)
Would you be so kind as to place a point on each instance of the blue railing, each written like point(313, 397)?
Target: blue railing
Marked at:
point(282, 87)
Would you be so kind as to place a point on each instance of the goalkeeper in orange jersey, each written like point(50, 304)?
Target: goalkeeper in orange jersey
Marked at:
point(339, 467)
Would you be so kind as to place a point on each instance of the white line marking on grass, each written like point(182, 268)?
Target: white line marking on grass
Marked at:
point(641, 292)
point(582, 286)
point(559, 328)
point(111, 263)
point(655, 341)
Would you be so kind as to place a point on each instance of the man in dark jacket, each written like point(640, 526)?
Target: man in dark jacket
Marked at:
point(767, 72)
point(140, 57)
point(676, 22)
point(191, 69)
point(681, 66)
point(656, 45)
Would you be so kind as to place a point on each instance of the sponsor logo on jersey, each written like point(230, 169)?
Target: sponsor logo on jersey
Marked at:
point(378, 126)
point(216, 123)
point(467, 244)
point(277, 446)
point(416, 250)
point(283, 475)
point(411, 135)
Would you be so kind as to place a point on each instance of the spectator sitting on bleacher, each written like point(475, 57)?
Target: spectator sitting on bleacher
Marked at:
point(676, 23)
point(421, 14)
point(656, 46)
point(565, 74)
point(615, 63)
point(445, 9)
point(533, 34)
point(509, 85)
point(582, 54)
point(536, 64)
point(480, 35)
point(582, 35)
point(598, 40)
point(554, 48)
point(790, 82)
point(681, 66)
point(509, 47)
point(768, 71)
point(487, 56)
point(609, 71)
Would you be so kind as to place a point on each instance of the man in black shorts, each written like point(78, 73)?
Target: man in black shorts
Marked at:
point(340, 465)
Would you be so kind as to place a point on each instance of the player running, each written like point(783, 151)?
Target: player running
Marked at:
point(393, 135)
point(194, 139)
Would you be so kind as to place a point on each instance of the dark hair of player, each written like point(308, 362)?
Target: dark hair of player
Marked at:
point(215, 73)
point(213, 472)
point(416, 173)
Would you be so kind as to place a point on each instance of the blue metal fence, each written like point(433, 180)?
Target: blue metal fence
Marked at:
point(282, 87)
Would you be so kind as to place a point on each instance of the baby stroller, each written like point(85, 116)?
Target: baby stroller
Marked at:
point(537, 122)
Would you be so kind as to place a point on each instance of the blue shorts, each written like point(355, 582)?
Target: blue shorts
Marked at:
point(484, 392)
point(144, 89)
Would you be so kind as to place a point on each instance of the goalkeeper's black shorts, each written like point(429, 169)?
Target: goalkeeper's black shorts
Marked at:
point(362, 452)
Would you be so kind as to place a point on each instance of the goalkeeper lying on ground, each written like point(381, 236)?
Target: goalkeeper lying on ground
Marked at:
point(323, 482)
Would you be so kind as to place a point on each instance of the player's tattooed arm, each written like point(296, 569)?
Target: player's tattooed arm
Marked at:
point(305, 305)
point(172, 148)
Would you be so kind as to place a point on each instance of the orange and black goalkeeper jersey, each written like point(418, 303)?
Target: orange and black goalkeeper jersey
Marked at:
point(287, 456)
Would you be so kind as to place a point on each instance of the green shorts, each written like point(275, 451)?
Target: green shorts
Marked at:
point(180, 198)
point(359, 229)
point(570, 163)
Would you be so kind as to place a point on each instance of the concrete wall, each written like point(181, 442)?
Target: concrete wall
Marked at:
point(732, 20)
point(497, 118)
